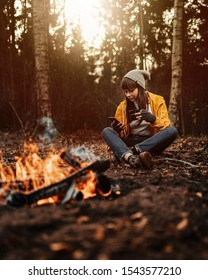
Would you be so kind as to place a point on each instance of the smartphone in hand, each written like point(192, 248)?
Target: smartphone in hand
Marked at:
point(132, 114)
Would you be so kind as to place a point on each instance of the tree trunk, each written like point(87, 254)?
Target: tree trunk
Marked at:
point(175, 105)
point(3, 47)
point(11, 49)
point(141, 35)
point(40, 27)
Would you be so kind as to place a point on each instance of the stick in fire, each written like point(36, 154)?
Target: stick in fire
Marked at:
point(19, 199)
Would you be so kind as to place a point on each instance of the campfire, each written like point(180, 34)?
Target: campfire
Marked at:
point(58, 178)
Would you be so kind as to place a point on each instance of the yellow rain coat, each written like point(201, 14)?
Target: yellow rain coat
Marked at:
point(158, 107)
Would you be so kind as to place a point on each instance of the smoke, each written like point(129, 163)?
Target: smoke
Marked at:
point(47, 131)
point(84, 153)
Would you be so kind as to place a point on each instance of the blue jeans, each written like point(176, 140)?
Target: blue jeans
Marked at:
point(155, 144)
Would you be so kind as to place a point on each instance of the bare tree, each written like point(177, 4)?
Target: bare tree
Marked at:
point(141, 35)
point(175, 105)
point(40, 27)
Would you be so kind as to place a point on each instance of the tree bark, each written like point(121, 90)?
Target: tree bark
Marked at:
point(141, 35)
point(11, 12)
point(175, 104)
point(40, 27)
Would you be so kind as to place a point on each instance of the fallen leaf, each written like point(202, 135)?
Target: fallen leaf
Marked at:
point(182, 225)
point(137, 215)
point(141, 224)
point(168, 249)
point(78, 255)
point(58, 246)
point(199, 194)
point(83, 219)
point(99, 233)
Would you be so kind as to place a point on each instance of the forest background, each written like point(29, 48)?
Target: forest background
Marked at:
point(85, 79)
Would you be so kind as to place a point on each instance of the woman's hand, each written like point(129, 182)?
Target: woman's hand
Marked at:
point(118, 127)
point(147, 116)
point(138, 116)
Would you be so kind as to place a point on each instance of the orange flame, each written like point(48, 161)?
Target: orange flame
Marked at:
point(35, 172)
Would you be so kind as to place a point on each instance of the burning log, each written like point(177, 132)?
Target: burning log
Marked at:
point(19, 199)
point(66, 155)
point(104, 185)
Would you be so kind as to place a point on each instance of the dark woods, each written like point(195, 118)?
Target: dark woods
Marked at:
point(84, 81)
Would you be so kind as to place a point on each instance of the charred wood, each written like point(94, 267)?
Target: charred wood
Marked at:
point(66, 156)
point(19, 199)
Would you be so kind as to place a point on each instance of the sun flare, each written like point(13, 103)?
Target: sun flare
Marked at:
point(85, 13)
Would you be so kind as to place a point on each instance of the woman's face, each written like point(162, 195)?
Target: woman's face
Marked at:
point(132, 94)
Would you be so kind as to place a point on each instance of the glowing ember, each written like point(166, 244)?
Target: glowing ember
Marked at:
point(89, 187)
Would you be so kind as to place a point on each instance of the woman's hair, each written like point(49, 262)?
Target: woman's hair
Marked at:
point(142, 101)
point(129, 84)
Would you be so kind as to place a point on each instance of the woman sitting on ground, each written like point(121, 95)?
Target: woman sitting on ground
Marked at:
point(142, 127)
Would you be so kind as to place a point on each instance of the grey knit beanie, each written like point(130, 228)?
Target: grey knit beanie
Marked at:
point(139, 76)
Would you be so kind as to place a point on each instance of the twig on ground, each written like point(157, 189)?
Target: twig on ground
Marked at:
point(182, 161)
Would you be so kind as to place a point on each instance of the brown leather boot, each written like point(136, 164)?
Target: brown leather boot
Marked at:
point(146, 160)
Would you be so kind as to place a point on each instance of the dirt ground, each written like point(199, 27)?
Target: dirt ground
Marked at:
point(159, 214)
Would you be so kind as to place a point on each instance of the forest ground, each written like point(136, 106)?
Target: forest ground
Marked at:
point(159, 214)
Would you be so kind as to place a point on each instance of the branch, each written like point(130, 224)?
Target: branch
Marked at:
point(20, 121)
point(182, 161)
